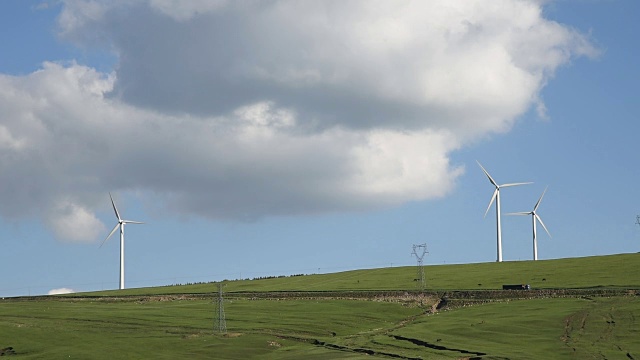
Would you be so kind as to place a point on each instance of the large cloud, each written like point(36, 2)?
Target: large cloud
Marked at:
point(467, 65)
point(247, 109)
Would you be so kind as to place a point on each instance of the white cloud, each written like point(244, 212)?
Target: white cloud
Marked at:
point(60, 291)
point(250, 109)
point(7, 141)
point(353, 63)
point(73, 222)
point(80, 13)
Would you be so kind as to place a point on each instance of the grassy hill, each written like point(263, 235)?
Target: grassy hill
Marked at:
point(611, 271)
point(106, 325)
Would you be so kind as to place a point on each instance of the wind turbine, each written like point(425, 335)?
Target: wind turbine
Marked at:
point(496, 197)
point(534, 217)
point(121, 225)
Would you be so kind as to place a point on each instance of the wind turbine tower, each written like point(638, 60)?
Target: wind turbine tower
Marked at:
point(120, 225)
point(419, 251)
point(496, 197)
point(535, 217)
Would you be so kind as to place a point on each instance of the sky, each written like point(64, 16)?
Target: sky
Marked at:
point(298, 137)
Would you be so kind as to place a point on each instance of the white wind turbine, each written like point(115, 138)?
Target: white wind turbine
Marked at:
point(534, 217)
point(496, 197)
point(121, 225)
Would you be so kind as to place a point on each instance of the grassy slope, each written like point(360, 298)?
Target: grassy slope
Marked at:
point(559, 328)
point(538, 328)
point(588, 272)
point(517, 329)
point(122, 330)
point(608, 328)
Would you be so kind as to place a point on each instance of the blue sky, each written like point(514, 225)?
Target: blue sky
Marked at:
point(333, 141)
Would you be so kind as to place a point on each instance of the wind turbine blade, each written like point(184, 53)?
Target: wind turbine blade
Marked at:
point(131, 222)
point(114, 208)
point(541, 223)
point(495, 193)
point(539, 200)
point(111, 233)
point(487, 173)
point(516, 184)
point(519, 213)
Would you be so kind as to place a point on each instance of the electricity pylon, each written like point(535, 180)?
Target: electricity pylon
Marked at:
point(219, 321)
point(420, 251)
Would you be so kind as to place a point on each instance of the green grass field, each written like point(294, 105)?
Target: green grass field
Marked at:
point(613, 271)
point(106, 325)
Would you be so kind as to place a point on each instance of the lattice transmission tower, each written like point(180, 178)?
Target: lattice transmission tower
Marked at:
point(219, 321)
point(420, 251)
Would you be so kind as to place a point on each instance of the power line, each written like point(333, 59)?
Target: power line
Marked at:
point(420, 251)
